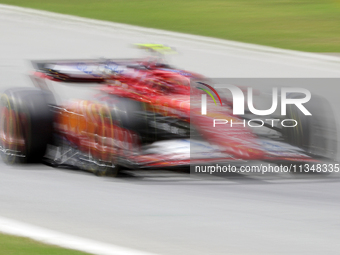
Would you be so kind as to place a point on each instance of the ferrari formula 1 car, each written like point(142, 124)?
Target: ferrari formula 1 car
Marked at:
point(140, 117)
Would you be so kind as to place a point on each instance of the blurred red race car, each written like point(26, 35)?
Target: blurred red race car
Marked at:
point(140, 117)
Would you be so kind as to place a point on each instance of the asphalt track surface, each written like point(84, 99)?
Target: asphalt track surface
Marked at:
point(166, 212)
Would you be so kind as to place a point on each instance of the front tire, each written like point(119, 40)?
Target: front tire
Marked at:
point(316, 134)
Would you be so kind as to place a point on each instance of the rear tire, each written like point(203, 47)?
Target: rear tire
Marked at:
point(26, 124)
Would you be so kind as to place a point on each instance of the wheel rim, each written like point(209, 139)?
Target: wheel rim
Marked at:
point(11, 136)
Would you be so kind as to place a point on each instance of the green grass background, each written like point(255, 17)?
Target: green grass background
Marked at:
point(13, 245)
point(307, 25)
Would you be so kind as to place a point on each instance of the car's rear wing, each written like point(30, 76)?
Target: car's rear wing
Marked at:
point(84, 70)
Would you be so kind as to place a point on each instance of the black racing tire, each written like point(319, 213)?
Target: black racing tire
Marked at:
point(26, 124)
point(316, 134)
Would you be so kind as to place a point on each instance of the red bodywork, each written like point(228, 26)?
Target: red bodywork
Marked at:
point(165, 91)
